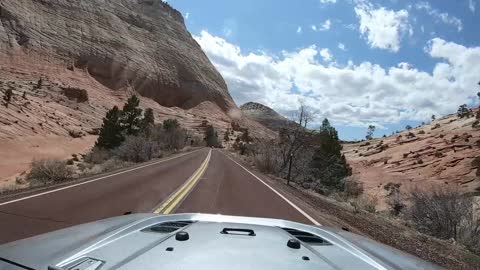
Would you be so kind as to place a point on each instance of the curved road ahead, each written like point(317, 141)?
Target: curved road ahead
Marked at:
point(205, 181)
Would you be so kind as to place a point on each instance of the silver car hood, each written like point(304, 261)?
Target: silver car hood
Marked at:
point(202, 241)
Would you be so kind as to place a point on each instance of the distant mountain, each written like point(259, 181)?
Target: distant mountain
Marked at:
point(265, 115)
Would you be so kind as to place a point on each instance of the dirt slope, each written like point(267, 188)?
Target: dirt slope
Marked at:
point(439, 153)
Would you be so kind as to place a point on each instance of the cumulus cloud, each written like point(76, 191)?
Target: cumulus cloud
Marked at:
point(187, 15)
point(342, 47)
point(328, 1)
point(383, 28)
point(325, 26)
point(350, 94)
point(440, 16)
point(299, 30)
point(471, 5)
point(326, 55)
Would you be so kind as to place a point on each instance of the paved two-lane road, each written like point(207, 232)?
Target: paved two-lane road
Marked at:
point(221, 186)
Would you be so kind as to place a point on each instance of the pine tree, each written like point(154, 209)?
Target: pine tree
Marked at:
point(170, 124)
point(211, 137)
point(7, 97)
point(131, 120)
point(331, 166)
point(148, 119)
point(111, 132)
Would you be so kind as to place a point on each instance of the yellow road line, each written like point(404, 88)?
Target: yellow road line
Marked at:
point(173, 201)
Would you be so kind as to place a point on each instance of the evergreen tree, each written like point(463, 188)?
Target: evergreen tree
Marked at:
point(408, 127)
point(148, 119)
point(463, 111)
point(7, 97)
point(370, 131)
point(211, 136)
point(330, 165)
point(170, 124)
point(131, 120)
point(111, 132)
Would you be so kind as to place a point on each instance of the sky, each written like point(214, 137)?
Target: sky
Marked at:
point(389, 63)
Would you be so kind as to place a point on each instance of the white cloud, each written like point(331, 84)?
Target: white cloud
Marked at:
point(299, 30)
point(441, 16)
point(471, 5)
point(187, 15)
point(342, 47)
point(325, 26)
point(353, 94)
point(328, 1)
point(326, 55)
point(383, 28)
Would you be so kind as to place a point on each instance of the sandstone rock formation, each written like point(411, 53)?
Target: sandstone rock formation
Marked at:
point(141, 43)
point(68, 62)
point(436, 154)
point(265, 115)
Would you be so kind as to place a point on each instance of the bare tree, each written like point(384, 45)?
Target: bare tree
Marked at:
point(294, 137)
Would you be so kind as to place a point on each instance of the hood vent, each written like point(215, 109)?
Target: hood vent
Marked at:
point(306, 237)
point(169, 227)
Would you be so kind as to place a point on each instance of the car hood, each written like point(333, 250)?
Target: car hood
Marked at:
point(202, 241)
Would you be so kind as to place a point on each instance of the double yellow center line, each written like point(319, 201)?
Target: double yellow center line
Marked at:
point(174, 200)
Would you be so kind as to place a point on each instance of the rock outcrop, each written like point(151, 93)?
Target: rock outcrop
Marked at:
point(142, 44)
point(441, 153)
point(265, 115)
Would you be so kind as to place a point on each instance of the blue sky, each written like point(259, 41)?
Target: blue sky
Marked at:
point(388, 63)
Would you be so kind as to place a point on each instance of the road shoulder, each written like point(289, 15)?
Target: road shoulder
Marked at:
point(388, 231)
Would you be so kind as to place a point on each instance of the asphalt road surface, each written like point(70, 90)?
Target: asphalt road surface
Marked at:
point(205, 181)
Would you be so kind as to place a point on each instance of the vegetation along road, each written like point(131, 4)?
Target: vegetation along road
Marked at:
point(204, 181)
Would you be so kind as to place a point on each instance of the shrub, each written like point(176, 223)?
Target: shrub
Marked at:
point(438, 154)
point(75, 133)
point(440, 212)
point(366, 202)
point(353, 188)
point(171, 138)
point(170, 124)
point(266, 160)
point(421, 132)
point(70, 162)
point(136, 149)
point(436, 126)
point(97, 155)
point(49, 170)
point(7, 97)
point(476, 123)
point(72, 93)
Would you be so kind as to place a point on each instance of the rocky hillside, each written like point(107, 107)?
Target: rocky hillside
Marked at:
point(436, 154)
point(264, 115)
point(67, 63)
point(140, 43)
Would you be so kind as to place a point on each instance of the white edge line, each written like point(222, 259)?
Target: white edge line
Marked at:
point(278, 193)
point(94, 180)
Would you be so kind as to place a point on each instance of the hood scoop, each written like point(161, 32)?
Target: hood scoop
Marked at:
point(168, 227)
point(306, 237)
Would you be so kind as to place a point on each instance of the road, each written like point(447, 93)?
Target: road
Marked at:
point(205, 181)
